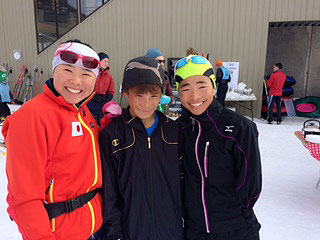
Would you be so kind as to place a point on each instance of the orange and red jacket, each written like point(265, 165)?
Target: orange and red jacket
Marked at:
point(276, 83)
point(52, 156)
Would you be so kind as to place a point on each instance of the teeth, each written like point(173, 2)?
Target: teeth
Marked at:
point(196, 104)
point(73, 90)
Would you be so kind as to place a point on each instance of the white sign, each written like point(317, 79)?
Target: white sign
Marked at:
point(234, 72)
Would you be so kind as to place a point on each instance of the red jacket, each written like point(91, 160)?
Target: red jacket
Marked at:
point(52, 156)
point(105, 83)
point(276, 83)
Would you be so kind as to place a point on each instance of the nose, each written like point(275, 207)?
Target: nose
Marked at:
point(194, 95)
point(76, 79)
point(146, 103)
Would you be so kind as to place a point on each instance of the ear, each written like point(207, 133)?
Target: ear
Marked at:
point(126, 94)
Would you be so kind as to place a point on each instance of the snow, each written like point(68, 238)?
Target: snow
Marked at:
point(240, 93)
point(289, 206)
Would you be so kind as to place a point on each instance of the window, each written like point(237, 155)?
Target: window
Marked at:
point(46, 23)
point(54, 18)
point(67, 15)
point(89, 6)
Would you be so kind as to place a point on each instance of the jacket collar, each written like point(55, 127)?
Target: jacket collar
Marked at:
point(214, 111)
point(104, 72)
point(52, 93)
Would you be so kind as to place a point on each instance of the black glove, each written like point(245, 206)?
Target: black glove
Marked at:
point(100, 98)
point(108, 97)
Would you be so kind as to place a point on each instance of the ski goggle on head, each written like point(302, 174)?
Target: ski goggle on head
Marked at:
point(193, 65)
point(72, 53)
point(73, 58)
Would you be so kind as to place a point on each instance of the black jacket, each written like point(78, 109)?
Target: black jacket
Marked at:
point(222, 170)
point(142, 198)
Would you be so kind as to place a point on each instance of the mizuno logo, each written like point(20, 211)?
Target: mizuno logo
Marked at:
point(228, 129)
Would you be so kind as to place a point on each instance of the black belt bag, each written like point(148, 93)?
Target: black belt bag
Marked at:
point(56, 209)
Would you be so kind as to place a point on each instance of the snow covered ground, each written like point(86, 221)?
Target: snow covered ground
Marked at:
point(289, 206)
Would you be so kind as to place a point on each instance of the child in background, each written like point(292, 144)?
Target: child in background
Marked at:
point(4, 94)
point(104, 88)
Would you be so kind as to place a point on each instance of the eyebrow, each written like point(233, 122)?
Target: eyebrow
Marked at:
point(87, 70)
point(198, 82)
point(201, 81)
point(184, 85)
point(73, 66)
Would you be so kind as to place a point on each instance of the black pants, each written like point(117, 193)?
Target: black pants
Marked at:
point(271, 101)
point(222, 92)
point(4, 109)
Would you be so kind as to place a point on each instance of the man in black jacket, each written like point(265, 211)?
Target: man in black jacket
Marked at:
point(223, 78)
point(222, 168)
point(140, 158)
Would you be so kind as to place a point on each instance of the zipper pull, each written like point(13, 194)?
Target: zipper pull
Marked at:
point(205, 163)
point(192, 123)
point(149, 142)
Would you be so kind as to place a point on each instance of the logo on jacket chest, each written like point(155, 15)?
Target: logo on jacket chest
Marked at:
point(115, 142)
point(76, 129)
point(229, 128)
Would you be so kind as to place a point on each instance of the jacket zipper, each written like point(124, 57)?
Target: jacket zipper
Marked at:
point(93, 218)
point(205, 160)
point(203, 187)
point(151, 188)
point(149, 142)
point(51, 188)
point(192, 123)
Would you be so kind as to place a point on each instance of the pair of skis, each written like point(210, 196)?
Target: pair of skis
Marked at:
point(28, 92)
point(31, 80)
point(17, 86)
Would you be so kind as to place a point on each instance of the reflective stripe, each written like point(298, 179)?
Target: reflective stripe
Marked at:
point(92, 217)
point(205, 159)
point(204, 205)
point(95, 168)
point(53, 220)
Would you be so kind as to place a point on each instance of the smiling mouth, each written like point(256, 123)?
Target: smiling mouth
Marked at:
point(74, 91)
point(196, 104)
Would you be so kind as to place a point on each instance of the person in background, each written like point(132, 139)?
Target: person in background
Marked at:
point(53, 158)
point(223, 78)
point(140, 158)
point(222, 167)
point(104, 88)
point(275, 84)
point(191, 51)
point(5, 97)
point(156, 54)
